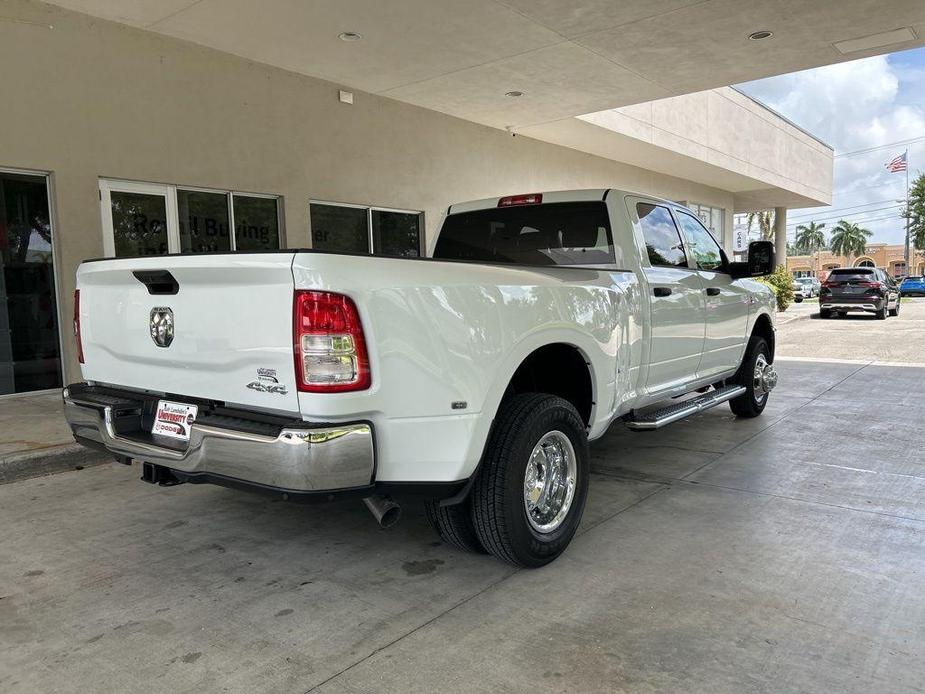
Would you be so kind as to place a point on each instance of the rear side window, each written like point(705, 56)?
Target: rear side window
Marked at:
point(663, 242)
point(562, 233)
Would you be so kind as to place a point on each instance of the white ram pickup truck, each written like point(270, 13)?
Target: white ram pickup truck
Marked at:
point(475, 377)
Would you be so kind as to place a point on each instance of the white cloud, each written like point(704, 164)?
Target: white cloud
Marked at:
point(855, 106)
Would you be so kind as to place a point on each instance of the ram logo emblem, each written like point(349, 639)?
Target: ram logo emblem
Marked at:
point(161, 325)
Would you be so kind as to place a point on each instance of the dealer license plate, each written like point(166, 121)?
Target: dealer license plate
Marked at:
point(174, 419)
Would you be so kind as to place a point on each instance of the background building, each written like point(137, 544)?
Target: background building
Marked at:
point(888, 257)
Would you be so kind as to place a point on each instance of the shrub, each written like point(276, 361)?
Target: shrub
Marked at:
point(781, 283)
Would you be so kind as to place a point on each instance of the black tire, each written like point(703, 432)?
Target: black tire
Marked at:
point(798, 299)
point(454, 525)
point(895, 311)
point(498, 507)
point(825, 313)
point(884, 311)
point(747, 404)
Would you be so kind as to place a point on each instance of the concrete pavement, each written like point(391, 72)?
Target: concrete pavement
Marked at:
point(857, 336)
point(778, 554)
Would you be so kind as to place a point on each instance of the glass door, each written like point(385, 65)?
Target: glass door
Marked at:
point(30, 349)
point(142, 217)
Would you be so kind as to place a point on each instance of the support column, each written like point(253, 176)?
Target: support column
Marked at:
point(780, 235)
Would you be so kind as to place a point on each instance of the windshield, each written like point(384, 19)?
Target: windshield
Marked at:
point(563, 233)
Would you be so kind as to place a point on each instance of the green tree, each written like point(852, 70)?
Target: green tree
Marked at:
point(849, 238)
point(781, 283)
point(811, 238)
point(916, 213)
point(765, 220)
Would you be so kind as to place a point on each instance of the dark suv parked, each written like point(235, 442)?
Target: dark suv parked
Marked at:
point(866, 289)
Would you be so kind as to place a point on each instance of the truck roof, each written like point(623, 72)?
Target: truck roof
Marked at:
point(551, 196)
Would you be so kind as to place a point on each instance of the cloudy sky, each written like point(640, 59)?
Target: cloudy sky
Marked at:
point(858, 106)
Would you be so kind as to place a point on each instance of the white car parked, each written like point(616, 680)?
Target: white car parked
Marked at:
point(805, 288)
point(477, 376)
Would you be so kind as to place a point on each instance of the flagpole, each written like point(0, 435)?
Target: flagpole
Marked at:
point(907, 215)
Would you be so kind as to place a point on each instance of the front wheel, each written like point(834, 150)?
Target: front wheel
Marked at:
point(758, 376)
point(530, 492)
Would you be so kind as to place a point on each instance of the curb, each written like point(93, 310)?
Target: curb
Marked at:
point(793, 318)
point(17, 467)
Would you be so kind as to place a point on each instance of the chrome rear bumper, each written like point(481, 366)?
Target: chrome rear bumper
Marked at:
point(848, 306)
point(297, 458)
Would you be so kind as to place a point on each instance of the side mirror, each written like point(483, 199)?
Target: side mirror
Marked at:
point(760, 261)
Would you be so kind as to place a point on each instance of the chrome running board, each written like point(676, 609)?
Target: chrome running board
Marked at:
point(656, 419)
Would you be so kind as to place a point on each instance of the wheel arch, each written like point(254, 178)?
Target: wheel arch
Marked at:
point(531, 354)
point(764, 327)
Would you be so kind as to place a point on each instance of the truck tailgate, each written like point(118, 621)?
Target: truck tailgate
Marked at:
point(232, 326)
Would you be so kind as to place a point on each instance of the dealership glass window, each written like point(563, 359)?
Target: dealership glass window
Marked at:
point(256, 223)
point(153, 219)
point(359, 229)
point(712, 218)
point(30, 356)
point(203, 218)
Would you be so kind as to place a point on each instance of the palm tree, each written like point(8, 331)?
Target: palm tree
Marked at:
point(810, 239)
point(765, 219)
point(849, 239)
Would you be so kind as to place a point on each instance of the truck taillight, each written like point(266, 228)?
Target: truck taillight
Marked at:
point(330, 350)
point(80, 345)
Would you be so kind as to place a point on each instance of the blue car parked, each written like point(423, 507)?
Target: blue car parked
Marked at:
point(912, 286)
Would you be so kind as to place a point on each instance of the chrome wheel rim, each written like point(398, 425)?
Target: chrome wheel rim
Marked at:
point(549, 482)
point(765, 378)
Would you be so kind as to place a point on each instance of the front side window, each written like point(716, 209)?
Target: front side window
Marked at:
point(663, 242)
point(561, 233)
point(702, 246)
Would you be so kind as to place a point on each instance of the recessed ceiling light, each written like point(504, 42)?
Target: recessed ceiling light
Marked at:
point(513, 95)
point(758, 35)
point(349, 36)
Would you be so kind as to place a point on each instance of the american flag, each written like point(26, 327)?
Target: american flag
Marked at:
point(898, 163)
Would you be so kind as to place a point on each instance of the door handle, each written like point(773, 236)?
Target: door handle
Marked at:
point(661, 291)
point(713, 291)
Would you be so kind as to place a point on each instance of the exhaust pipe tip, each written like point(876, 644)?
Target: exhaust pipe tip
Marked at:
point(386, 512)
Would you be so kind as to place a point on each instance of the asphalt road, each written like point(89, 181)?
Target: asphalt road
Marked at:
point(801, 333)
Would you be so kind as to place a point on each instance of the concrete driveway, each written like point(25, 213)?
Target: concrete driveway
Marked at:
point(780, 554)
point(857, 336)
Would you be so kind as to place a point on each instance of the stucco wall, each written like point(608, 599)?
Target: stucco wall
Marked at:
point(727, 129)
point(85, 99)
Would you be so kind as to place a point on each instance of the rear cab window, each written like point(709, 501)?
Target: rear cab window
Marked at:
point(559, 233)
